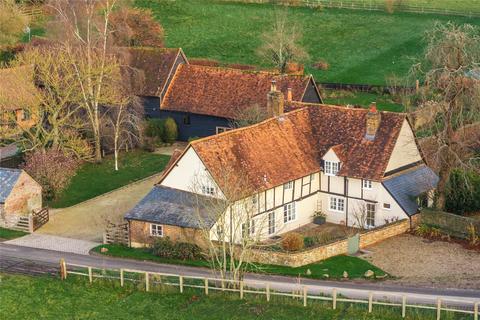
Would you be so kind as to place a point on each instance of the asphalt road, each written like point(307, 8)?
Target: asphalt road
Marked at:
point(31, 261)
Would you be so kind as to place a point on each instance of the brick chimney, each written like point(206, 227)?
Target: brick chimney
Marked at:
point(275, 101)
point(289, 94)
point(373, 121)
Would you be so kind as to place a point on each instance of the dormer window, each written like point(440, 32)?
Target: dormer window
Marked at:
point(367, 184)
point(332, 168)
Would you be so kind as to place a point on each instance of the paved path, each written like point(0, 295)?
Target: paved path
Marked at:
point(86, 221)
point(464, 298)
point(43, 241)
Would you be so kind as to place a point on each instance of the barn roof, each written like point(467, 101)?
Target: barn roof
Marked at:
point(174, 207)
point(8, 179)
point(152, 65)
point(17, 88)
point(225, 92)
point(405, 187)
point(291, 146)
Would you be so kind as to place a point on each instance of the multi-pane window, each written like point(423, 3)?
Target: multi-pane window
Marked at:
point(337, 204)
point(156, 230)
point(222, 129)
point(331, 168)
point(289, 212)
point(367, 184)
point(255, 199)
point(251, 227)
point(220, 233)
point(370, 221)
point(271, 222)
point(209, 190)
point(288, 185)
point(248, 228)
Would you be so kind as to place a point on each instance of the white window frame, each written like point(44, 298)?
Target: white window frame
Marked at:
point(271, 222)
point(289, 212)
point(367, 185)
point(334, 204)
point(222, 129)
point(389, 206)
point(156, 230)
point(208, 189)
point(331, 168)
point(370, 214)
point(288, 185)
point(255, 199)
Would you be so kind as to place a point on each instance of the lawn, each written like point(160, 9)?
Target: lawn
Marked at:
point(360, 46)
point(24, 297)
point(8, 234)
point(93, 179)
point(340, 97)
point(334, 266)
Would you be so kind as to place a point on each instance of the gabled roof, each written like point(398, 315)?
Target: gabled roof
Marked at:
point(8, 179)
point(174, 207)
point(225, 92)
point(408, 185)
point(291, 146)
point(154, 65)
point(17, 88)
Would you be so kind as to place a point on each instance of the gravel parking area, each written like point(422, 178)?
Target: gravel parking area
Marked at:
point(420, 262)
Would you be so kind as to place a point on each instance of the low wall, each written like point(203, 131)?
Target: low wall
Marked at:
point(453, 224)
point(298, 259)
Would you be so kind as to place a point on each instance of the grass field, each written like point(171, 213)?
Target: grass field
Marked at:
point(334, 266)
point(360, 46)
point(454, 5)
point(93, 179)
point(23, 297)
point(384, 102)
point(8, 234)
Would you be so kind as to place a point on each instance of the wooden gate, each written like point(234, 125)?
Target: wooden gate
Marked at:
point(39, 218)
point(116, 233)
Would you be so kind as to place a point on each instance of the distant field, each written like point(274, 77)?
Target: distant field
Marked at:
point(455, 5)
point(360, 46)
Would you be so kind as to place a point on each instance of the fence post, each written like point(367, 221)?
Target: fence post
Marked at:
point(404, 305)
point(147, 281)
point(90, 276)
point(180, 282)
point(206, 286)
point(334, 299)
point(121, 278)
point(304, 296)
point(370, 301)
point(241, 289)
point(63, 269)
point(475, 311)
point(223, 285)
point(439, 308)
point(268, 291)
point(30, 223)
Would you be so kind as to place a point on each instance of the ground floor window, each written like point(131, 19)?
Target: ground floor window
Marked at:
point(289, 213)
point(222, 129)
point(156, 230)
point(337, 204)
point(248, 228)
point(370, 219)
point(271, 222)
point(186, 119)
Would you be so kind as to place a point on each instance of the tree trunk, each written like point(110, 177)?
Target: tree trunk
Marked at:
point(444, 175)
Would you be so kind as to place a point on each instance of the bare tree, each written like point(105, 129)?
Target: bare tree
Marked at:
point(82, 28)
point(245, 117)
point(229, 223)
point(451, 70)
point(281, 45)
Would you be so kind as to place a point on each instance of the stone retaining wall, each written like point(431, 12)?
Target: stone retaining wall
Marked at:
point(298, 259)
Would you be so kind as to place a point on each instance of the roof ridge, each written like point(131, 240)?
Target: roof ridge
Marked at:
point(344, 107)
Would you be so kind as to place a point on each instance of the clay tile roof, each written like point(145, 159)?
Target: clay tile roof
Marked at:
point(289, 147)
point(224, 92)
point(153, 66)
point(17, 88)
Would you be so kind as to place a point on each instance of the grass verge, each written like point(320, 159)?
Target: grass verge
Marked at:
point(333, 267)
point(24, 297)
point(94, 179)
point(9, 234)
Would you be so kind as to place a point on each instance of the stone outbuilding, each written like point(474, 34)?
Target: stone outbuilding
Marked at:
point(20, 195)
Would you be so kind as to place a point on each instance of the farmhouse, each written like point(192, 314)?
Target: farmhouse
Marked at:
point(20, 195)
point(342, 162)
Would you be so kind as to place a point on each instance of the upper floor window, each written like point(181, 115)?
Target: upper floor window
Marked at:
point(255, 199)
point(331, 168)
point(209, 190)
point(387, 206)
point(222, 129)
point(367, 184)
point(288, 185)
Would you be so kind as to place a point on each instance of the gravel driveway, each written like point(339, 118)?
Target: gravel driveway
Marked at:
point(86, 221)
point(421, 262)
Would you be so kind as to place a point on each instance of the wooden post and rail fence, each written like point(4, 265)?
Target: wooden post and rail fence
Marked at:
point(149, 280)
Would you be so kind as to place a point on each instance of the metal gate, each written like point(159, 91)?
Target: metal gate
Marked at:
point(353, 244)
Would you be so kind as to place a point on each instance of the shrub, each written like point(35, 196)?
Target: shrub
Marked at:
point(463, 192)
point(52, 168)
point(321, 65)
point(171, 131)
point(292, 241)
point(165, 248)
point(155, 128)
point(309, 242)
